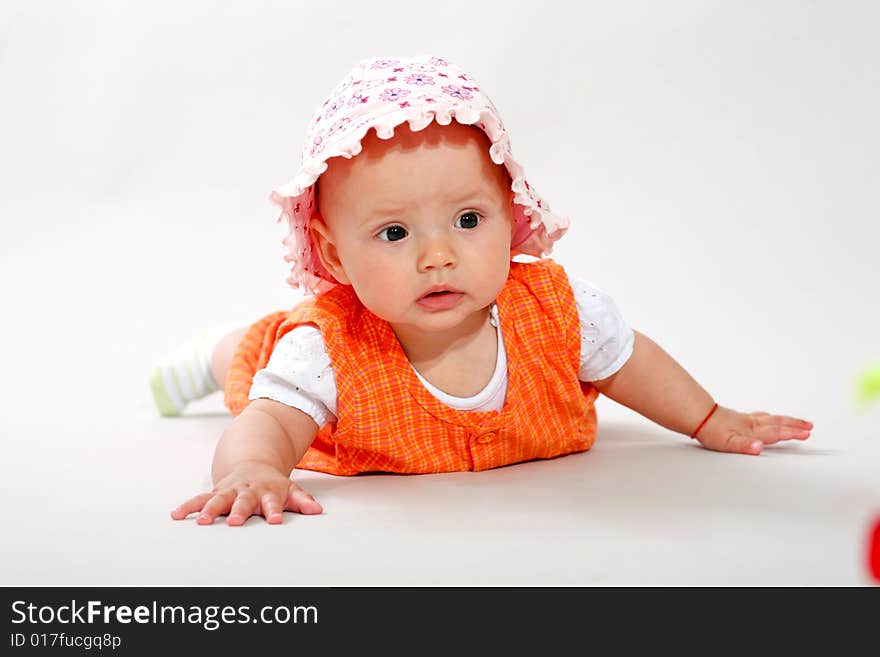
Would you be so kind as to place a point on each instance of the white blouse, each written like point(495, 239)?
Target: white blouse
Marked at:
point(300, 375)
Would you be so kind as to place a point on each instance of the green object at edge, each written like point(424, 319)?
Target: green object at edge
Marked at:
point(868, 387)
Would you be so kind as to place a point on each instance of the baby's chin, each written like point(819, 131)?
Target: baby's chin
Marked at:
point(440, 324)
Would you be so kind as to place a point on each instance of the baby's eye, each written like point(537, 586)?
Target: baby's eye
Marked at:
point(392, 233)
point(468, 220)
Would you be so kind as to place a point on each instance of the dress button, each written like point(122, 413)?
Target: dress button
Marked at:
point(486, 438)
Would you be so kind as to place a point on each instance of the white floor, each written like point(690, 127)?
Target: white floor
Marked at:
point(720, 167)
point(92, 493)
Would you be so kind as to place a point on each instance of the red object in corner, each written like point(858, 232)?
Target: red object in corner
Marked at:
point(874, 551)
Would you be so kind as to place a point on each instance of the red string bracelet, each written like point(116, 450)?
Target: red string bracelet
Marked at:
point(714, 408)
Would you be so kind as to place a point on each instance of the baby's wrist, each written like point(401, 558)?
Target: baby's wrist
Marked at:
point(246, 468)
point(712, 422)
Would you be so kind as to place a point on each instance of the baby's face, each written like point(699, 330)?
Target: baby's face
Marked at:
point(421, 211)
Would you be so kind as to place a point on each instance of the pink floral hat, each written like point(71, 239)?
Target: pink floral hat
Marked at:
point(382, 93)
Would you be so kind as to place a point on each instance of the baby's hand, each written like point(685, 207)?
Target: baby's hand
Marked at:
point(252, 488)
point(747, 433)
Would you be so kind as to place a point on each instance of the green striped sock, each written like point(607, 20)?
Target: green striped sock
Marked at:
point(185, 374)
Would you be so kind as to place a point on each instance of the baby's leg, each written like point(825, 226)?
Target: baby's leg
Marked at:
point(222, 355)
point(194, 370)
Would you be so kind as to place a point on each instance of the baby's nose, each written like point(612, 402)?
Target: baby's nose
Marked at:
point(437, 254)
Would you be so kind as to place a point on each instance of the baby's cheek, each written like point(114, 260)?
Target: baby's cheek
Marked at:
point(497, 265)
point(379, 286)
point(380, 275)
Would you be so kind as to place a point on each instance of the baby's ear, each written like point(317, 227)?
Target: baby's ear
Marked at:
point(323, 241)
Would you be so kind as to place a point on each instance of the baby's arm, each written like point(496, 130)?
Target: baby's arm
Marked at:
point(252, 465)
point(653, 384)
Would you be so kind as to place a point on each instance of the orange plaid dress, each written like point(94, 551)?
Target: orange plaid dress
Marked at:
point(389, 422)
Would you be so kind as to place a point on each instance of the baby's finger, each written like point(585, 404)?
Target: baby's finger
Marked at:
point(740, 444)
point(192, 505)
point(242, 509)
point(772, 429)
point(300, 501)
point(780, 420)
point(784, 421)
point(273, 509)
point(217, 505)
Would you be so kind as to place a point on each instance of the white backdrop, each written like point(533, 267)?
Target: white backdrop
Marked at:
point(719, 161)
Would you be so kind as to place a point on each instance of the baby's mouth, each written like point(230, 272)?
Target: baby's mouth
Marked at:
point(440, 298)
point(438, 291)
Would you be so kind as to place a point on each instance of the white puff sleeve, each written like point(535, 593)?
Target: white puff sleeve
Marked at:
point(606, 339)
point(299, 374)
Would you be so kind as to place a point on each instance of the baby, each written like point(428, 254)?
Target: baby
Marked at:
point(423, 346)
